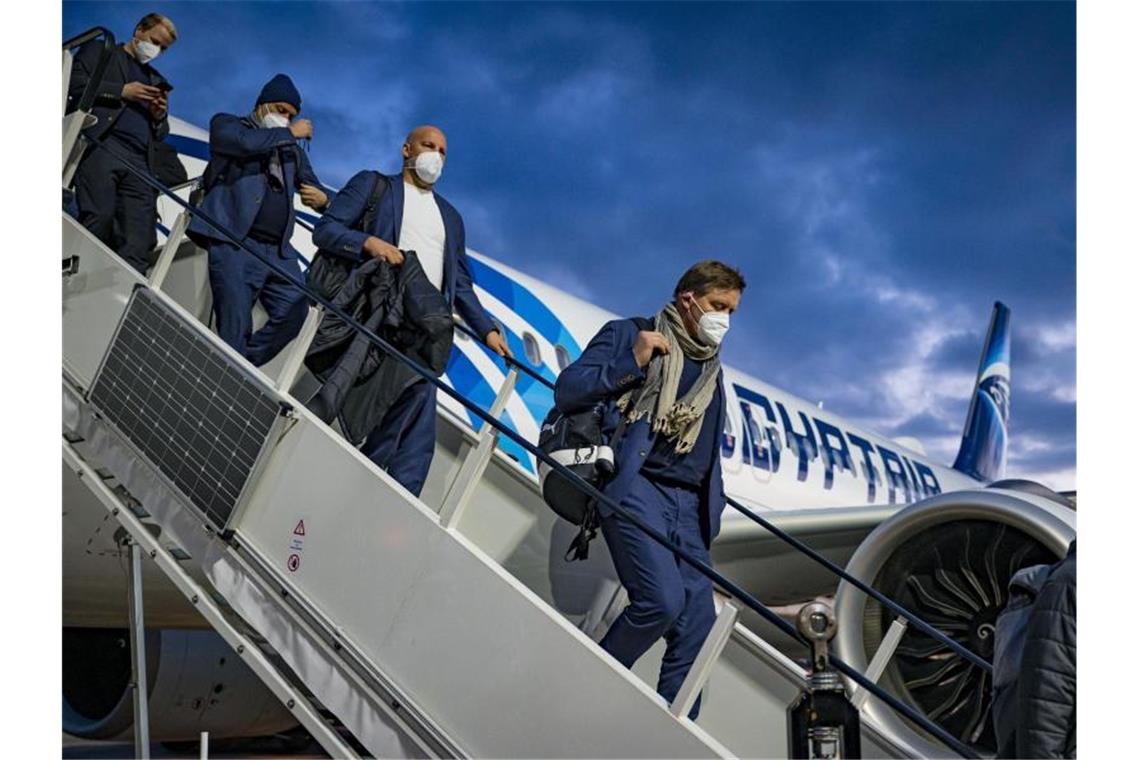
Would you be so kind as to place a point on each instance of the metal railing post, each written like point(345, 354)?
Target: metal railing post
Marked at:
point(292, 367)
point(166, 257)
point(67, 60)
point(879, 662)
point(73, 143)
point(476, 459)
point(138, 650)
point(702, 667)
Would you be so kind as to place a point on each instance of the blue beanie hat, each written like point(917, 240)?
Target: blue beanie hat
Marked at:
point(280, 89)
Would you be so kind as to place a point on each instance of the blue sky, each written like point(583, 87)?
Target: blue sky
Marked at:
point(880, 172)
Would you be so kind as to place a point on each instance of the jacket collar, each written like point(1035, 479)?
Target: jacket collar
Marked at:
point(397, 200)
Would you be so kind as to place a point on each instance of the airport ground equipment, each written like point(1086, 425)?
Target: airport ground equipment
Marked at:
point(822, 723)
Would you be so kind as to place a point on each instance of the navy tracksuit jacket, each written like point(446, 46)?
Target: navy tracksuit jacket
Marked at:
point(239, 183)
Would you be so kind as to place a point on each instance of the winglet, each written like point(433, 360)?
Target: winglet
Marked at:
point(983, 449)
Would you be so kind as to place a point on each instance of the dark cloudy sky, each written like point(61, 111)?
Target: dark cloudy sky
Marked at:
point(881, 172)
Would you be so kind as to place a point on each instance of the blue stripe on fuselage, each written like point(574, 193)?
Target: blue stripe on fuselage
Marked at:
point(524, 303)
point(472, 385)
point(189, 146)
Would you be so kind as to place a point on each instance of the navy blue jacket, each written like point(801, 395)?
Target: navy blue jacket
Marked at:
point(108, 105)
point(605, 370)
point(239, 179)
point(336, 231)
point(1047, 683)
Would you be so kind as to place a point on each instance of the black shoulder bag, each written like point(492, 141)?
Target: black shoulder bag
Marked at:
point(576, 441)
point(330, 269)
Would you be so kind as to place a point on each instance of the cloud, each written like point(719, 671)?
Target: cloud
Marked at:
point(1058, 337)
point(881, 173)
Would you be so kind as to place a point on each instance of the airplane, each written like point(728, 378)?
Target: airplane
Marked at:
point(808, 471)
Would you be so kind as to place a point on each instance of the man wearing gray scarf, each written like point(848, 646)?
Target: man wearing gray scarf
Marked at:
point(660, 385)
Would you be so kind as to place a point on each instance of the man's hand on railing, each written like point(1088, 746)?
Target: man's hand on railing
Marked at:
point(313, 197)
point(140, 93)
point(497, 343)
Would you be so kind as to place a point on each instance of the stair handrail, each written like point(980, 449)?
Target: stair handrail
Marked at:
point(88, 97)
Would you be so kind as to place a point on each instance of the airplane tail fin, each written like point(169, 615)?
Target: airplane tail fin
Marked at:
point(982, 453)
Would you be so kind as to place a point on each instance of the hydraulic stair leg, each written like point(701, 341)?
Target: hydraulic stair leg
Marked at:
point(138, 651)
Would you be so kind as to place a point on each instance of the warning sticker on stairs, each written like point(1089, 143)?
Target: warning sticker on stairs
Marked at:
point(296, 546)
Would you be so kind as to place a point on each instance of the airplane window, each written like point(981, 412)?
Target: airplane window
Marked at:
point(530, 346)
point(563, 356)
point(729, 437)
point(753, 432)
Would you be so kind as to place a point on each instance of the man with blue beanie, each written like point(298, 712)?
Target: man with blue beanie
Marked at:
point(255, 165)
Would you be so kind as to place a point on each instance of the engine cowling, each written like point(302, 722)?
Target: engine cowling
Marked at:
point(948, 559)
point(195, 683)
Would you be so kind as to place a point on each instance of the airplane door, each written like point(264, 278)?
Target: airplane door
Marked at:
point(730, 446)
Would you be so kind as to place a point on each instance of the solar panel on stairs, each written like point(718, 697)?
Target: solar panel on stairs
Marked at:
point(189, 408)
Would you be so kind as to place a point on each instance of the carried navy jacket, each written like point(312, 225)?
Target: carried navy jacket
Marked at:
point(238, 178)
point(336, 232)
point(605, 370)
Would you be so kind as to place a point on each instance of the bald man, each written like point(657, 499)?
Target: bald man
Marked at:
point(409, 216)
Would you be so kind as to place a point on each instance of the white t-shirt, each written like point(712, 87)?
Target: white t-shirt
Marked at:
point(422, 231)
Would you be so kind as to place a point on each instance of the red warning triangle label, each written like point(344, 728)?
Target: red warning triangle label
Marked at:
point(300, 529)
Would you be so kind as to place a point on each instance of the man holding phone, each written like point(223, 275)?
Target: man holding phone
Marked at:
point(131, 104)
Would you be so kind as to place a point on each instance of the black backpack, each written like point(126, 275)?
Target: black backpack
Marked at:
point(330, 269)
point(577, 442)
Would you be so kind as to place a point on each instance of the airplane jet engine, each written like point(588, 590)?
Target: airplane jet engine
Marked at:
point(195, 683)
point(947, 559)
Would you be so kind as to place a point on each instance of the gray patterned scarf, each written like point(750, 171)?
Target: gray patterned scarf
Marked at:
point(678, 419)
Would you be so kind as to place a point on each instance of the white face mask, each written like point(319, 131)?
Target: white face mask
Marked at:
point(146, 51)
point(428, 166)
point(712, 326)
point(271, 120)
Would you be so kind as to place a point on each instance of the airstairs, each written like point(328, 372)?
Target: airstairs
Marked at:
point(387, 625)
